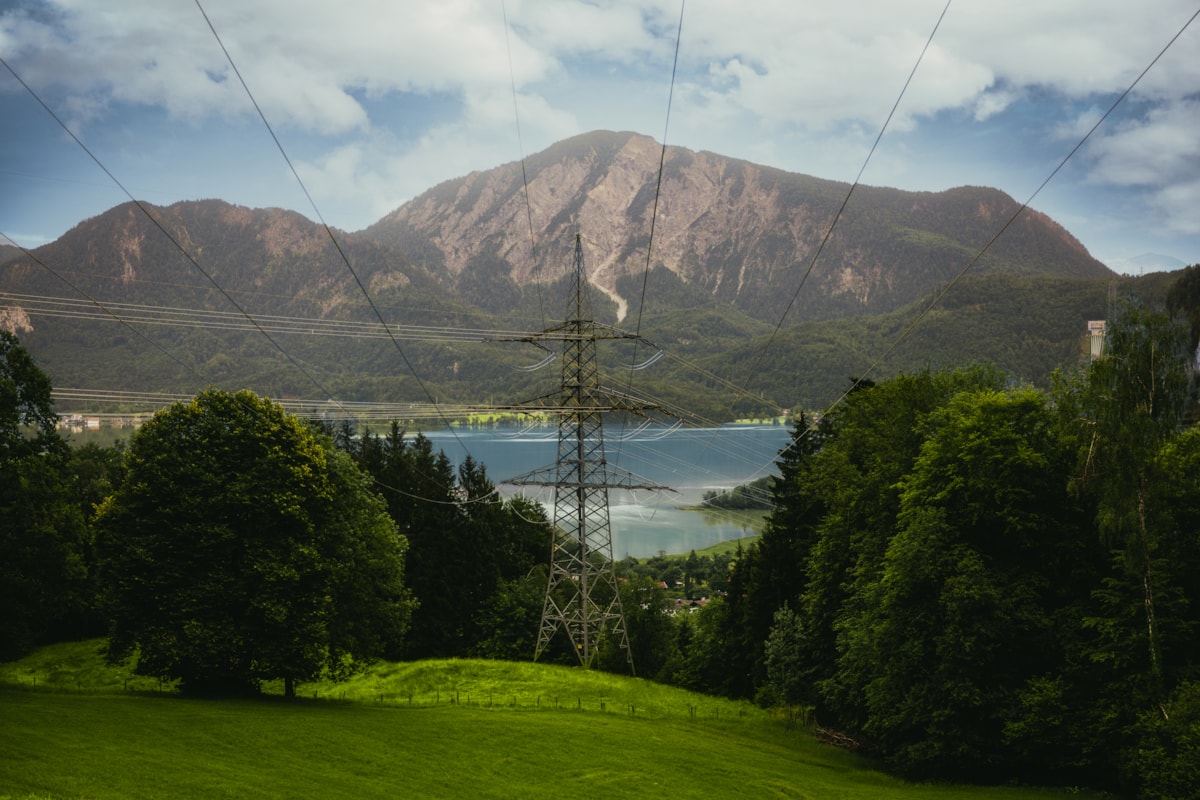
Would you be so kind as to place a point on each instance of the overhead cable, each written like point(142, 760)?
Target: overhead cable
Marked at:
point(512, 78)
point(329, 231)
point(937, 298)
point(846, 200)
point(174, 241)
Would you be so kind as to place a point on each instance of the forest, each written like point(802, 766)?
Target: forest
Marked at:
point(967, 577)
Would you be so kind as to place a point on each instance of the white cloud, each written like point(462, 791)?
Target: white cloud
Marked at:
point(994, 101)
point(802, 86)
point(1159, 148)
point(816, 66)
point(1178, 203)
point(1160, 154)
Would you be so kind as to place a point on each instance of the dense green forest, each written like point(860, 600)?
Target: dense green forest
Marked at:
point(981, 580)
point(964, 575)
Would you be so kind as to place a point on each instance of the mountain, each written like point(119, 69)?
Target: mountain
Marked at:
point(733, 245)
point(743, 234)
point(1147, 262)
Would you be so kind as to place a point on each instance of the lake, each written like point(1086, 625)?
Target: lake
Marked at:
point(689, 460)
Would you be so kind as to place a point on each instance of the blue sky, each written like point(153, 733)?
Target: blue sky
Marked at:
point(377, 101)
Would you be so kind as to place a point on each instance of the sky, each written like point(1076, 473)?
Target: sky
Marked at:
point(375, 101)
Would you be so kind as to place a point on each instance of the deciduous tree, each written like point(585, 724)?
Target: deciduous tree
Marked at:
point(43, 541)
point(240, 547)
point(1125, 408)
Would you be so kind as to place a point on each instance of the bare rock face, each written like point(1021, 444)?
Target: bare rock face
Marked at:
point(743, 233)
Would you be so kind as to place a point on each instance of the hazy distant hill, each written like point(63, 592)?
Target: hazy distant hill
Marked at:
point(1147, 262)
point(732, 243)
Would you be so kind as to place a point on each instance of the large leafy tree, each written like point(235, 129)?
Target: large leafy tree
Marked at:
point(967, 609)
point(27, 419)
point(870, 444)
point(241, 547)
point(43, 540)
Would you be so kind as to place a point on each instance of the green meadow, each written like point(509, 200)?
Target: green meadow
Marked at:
point(72, 726)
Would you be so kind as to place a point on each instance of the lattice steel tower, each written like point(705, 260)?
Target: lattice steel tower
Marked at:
point(582, 596)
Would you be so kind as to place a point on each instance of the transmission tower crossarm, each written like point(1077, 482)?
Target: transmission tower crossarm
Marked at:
point(616, 478)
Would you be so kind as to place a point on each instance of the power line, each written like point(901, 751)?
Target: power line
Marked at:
point(937, 298)
point(846, 200)
point(436, 310)
point(48, 305)
point(1024, 206)
point(104, 309)
point(157, 401)
point(512, 78)
point(146, 212)
point(337, 245)
point(317, 211)
point(662, 160)
point(752, 369)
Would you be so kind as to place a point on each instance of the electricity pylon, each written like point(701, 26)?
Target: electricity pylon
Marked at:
point(582, 596)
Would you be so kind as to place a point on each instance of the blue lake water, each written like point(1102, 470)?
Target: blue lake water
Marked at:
point(689, 460)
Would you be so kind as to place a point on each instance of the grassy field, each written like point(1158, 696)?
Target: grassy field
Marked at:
point(427, 729)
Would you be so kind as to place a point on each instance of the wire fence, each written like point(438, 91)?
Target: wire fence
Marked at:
point(702, 709)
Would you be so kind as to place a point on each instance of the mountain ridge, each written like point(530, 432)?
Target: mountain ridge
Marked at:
point(732, 261)
point(740, 230)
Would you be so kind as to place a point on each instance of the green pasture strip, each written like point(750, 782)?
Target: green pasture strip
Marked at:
point(718, 549)
point(524, 685)
point(729, 546)
point(80, 667)
point(77, 666)
point(752, 519)
point(62, 745)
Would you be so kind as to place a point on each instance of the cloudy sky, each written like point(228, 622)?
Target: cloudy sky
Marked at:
point(375, 101)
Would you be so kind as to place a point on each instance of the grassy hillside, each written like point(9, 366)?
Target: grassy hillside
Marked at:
point(472, 728)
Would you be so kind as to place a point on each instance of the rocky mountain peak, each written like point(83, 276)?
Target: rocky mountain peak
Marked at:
point(740, 232)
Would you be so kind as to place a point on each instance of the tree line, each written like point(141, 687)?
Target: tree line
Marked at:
point(976, 580)
point(230, 543)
